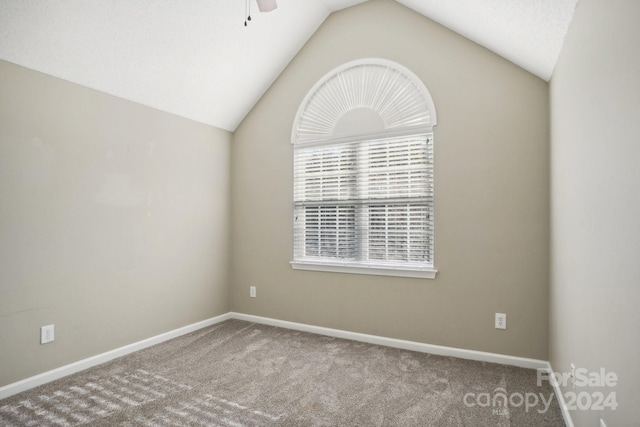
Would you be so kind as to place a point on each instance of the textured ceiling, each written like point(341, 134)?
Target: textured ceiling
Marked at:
point(195, 58)
point(528, 33)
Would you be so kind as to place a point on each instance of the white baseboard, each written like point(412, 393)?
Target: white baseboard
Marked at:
point(403, 344)
point(72, 368)
point(560, 396)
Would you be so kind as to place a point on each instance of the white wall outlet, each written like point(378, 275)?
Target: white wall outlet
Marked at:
point(46, 334)
point(252, 291)
point(501, 321)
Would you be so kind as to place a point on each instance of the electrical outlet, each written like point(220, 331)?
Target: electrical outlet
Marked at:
point(501, 321)
point(252, 291)
point(46, 334)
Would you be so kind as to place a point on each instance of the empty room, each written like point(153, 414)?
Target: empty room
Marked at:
point(319, 213)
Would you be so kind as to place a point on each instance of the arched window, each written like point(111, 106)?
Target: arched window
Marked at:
point(363, 173)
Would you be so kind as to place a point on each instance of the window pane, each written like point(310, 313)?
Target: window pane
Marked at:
point(397, 168)
point(329, 231)
point(325, 173)
point(399, 233)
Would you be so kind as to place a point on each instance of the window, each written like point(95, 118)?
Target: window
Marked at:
point(363, 173)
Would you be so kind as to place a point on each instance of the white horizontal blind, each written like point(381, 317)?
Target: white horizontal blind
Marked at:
point(366, 202)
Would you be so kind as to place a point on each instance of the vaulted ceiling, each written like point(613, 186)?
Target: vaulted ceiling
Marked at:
point(184, 57)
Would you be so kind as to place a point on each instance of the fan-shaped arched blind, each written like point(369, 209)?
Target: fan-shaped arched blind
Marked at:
point(364, 97)
point(363, 173)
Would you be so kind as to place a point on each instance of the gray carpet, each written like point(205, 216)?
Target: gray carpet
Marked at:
point(244, 374)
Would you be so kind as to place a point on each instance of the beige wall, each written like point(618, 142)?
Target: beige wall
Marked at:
point(595, 285)
point(113, 222)
point(492, 198)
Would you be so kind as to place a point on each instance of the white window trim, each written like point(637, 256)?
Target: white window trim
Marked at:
point(374, 270)
point(359, 267)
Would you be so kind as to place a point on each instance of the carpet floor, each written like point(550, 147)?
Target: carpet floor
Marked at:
point(239, 374)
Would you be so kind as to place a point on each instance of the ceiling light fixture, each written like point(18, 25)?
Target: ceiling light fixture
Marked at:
point(263, 6)
point(267, 5)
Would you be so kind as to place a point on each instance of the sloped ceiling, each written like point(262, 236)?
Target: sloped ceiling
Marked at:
point(184, 57)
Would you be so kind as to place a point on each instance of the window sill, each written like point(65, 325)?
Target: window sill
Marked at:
point(420, 273)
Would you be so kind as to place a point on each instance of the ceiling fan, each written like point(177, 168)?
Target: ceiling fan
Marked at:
point(263, 6)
